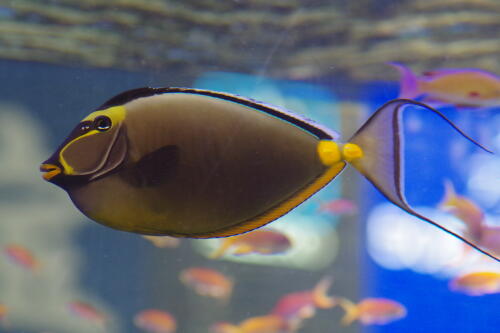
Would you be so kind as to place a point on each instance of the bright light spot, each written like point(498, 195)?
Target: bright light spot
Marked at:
point(397, 240)
point(484, 181)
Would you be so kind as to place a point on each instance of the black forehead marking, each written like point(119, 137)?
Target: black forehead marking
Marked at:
point(130, 95)
point(78, 131)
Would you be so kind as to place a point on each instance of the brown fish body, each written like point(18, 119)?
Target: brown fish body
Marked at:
point(209, 177)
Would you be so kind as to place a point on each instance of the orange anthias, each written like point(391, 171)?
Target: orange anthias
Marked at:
point(464, 209)
point(261, 241)
point(372, 311)
point(338, 207)
point(155, 321)
point(477, 283)
point(21, 256)
point(297, 306)
point(261, 324)
point(87, 312)
point(472, 216)
point(207, 282)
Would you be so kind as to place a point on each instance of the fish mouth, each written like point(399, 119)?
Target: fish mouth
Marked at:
point(50, 171)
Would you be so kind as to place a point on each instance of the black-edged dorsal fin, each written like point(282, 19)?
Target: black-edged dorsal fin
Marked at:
point(320, 132)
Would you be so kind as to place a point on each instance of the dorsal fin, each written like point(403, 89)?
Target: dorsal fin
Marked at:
point(308, 125)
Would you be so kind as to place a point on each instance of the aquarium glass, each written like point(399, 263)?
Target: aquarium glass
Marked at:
point(346, 259)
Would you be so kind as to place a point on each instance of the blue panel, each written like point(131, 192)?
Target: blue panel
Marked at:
point(434, 152)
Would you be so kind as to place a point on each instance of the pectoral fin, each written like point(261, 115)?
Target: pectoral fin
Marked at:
point(156, 167)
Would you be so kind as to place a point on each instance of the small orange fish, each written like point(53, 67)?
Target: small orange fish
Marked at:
point(155, 321)
point(260, 241)
point(163, 241)
point(465, 210)
point(207, 282)
point(264, 324)
point(21, 256)
point(87, 312)
point(460, 87)
point(476, 229)
point(297, 306)
point(371, 311)
point(261, 324)
point(338, 207)
point(477, 283)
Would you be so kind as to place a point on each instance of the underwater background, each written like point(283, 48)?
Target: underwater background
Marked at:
point(325, 60)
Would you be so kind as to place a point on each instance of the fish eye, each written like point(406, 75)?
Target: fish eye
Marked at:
point(102, 123)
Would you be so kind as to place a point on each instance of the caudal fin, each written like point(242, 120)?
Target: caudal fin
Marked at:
point(351, 311)
point(380, 158)
point(320, 294)
point(224, 245)
point(408, 82)
point(450, 196)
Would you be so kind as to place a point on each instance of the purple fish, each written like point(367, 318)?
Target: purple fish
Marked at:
point(460, 87)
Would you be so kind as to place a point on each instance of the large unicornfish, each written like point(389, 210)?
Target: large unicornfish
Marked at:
point(198, 163)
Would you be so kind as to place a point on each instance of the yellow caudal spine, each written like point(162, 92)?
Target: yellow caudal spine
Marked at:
point(351, 152)
point(331, 152)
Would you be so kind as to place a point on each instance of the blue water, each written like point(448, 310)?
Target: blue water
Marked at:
point(125, 273)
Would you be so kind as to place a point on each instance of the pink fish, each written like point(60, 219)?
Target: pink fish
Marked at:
point(207, 282)
point(21, 256)
point(370, 311)
point(338, 207)
point(260, 241)
point(460, 87)
point(87, 312)
point(477, 283)
point(155, 321)
point(297, 306)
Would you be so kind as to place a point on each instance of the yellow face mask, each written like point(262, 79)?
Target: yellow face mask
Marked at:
point(94, 147)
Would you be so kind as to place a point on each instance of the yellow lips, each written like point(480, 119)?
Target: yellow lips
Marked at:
point(50, 171)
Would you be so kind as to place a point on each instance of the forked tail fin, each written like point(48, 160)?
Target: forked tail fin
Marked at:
point(450, 196)
point(320, 294)
point(351, 311)
point(224, 245)
point(408, 82)
point(380, 157)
